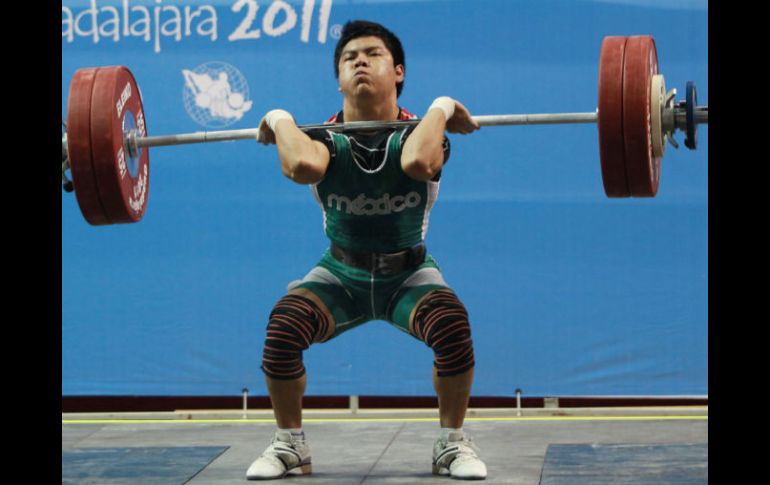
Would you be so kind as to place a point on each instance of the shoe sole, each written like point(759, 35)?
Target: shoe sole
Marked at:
point(305, 469)
point(445, 473)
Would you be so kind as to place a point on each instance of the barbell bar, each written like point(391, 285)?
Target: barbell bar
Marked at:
point(106, 148)
point(135, 142)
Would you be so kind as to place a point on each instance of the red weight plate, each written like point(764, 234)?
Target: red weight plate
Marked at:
point(123, 181)
point(642, 167)
point(79, 146)
point(610, 122)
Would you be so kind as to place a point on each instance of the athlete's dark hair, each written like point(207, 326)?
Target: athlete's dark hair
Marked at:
point(363, 28)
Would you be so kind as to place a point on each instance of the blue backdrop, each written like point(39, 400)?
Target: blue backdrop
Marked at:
point(569, 293)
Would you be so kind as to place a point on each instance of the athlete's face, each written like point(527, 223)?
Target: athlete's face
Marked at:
point(367, 70)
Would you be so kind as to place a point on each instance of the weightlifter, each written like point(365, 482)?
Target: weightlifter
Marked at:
point(376, 190)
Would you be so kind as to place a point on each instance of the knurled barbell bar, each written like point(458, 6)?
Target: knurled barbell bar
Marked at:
point(105, 143)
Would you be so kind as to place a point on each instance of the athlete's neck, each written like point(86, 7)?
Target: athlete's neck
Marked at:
point(359, 110)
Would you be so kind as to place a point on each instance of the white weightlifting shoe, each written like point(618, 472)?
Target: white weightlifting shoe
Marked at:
point(286, 453)
point(456, 457)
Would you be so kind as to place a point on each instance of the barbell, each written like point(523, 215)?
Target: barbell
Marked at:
point(105, 145)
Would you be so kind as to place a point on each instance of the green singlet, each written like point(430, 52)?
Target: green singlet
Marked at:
point(370, 205)
point(378, 209)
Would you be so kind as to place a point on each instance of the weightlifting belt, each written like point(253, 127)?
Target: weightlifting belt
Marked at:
point(382, 263)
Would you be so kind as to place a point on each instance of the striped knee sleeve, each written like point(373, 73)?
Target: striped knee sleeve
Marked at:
point(441, 321)
point(295, 323)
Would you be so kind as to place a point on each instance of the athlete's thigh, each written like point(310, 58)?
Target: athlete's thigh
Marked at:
point(327, 291)
point(413, 290)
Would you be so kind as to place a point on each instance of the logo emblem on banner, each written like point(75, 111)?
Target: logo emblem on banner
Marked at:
point(216, 94)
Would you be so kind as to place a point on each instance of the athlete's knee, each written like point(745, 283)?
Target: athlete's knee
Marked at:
point(295, 323)
point(441, 321)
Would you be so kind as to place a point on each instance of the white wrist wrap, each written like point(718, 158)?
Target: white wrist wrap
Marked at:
point(446, 104)
point(272, 117)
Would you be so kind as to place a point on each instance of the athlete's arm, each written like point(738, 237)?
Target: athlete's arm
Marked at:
point(302, 160)
point(423, 153)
